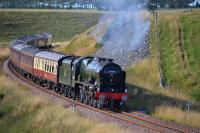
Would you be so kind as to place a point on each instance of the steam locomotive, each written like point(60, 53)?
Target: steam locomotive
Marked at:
point(95, 81)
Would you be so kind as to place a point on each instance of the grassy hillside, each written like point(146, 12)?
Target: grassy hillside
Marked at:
point(191, 32)
point(22, 112)
point(82, 44)
point(180, 60)
point(62, 24)
point(179, 34)
point(179, 57)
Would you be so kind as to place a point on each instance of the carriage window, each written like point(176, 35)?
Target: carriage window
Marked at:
point(49, 66)
point(49, 70)
point(52, 69)
point(35, 63)
point(42, 64)
point(56, 67)
point(45, 66)
point(38, 63)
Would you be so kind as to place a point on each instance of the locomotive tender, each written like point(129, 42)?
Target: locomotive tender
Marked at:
point(95, 81)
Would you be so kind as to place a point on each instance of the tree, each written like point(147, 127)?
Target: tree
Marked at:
point(98, 4)
point(197, 4)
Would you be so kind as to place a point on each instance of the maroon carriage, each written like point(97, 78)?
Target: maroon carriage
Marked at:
point(27, 59)
point(15, 52)
point(46, 65)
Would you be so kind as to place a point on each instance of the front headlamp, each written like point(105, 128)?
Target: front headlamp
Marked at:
point(126, 90)
point(101, 97)
point(124, 98)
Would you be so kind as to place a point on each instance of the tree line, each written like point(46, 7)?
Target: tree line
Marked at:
point(173, 3)
point(94, 4)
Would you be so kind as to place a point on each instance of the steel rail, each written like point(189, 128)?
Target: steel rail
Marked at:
point(156, 123)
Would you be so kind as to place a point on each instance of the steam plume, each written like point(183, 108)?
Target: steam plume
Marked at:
point(125, 37)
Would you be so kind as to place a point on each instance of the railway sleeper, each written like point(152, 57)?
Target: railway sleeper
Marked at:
point(81, 96)
point(100, 104)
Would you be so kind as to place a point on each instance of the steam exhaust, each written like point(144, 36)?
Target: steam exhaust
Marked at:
point(125, 34)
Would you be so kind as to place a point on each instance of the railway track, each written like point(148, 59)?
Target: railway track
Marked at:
point(123, 116)
point(153, 123)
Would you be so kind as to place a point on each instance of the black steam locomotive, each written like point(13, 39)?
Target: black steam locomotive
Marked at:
point(95, 81)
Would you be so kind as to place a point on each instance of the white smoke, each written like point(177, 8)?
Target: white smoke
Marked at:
point(125, 38)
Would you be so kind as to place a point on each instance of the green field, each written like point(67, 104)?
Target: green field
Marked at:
point(62, 24)
point(180, 57)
